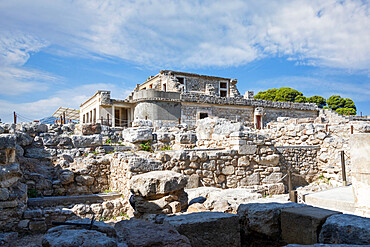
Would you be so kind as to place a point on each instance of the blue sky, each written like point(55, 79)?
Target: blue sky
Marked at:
point(58, 53)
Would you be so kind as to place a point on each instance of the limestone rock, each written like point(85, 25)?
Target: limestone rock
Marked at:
point(90, 129)
point(139, 233)
point(140, 164)
point(7, 141)
point(66, 177)
point(87, 141)
point(302, 225)
point(186, 138)
point(9, 174)
point(207, 228)
point(23, 139)
point(77, 237)
point(142, 123)
point(272, 159)
point(139, 134)
point(157, 183)
point(262, 219)
point(345, 229)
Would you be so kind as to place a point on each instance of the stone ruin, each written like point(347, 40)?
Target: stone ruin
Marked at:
point(220, 183)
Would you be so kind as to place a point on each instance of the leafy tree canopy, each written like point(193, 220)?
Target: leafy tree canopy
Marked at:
point(318, 100)
point(341, 106)
point(335, 101)
point(300, 99)
point(345, 111)
point(287, 94)
point(270, 94)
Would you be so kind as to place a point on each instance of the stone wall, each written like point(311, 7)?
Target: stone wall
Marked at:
point(41, 212)
point(190, 113)
point(13, 193)
point(272, 114)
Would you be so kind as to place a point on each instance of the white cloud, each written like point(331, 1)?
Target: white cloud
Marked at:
point(200, 33)
point(71, 97)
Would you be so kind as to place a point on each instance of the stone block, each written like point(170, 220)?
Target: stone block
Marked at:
point(139, 134)
point(345, 229)
point(7, 141)
point(87, 141)
point(142, 233)
point(247, 149)
point(262, 220)
point(302, 225)
point(157, 183)
point(207, 228)
point(37, 226)
point(9, 175)
point(139, 164)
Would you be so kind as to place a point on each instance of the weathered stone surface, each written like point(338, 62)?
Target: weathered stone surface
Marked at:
point(248, 149)
point(253, 179)
point(302, 225)
point(87, 141)
point(139, 233)
point(229, 200)
point(272, 159)
point(77, 237)
point(274, 177)
point(37, 226)
point(186, 138)
point(7, 141)
point(345, 229)
point(90, 129)
point(7, 237)
point(139, 164)
point(39, 153)
point(66, 177)
point(157, 183)
point(163, 205)
point(9, 174)
point(85, 180)
point(262, 220)
point(207, 228)
point(139, 134)
point(142, 123)
point(23, 139)
point(4, 194)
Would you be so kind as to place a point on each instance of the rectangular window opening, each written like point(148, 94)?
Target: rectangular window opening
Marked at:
point(223, 85)
point(223, 93)
point(203, 115)
point(180, 79)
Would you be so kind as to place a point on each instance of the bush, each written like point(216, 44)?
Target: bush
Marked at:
point(335, 101)
point(146, 146)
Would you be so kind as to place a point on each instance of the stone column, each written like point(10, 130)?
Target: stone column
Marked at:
point(360, 159)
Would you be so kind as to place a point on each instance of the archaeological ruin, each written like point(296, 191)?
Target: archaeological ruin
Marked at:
point(185, 160)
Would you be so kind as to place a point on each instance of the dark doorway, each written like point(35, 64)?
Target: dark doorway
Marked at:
point(259, 122)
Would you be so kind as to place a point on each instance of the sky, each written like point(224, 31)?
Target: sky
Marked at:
point(59, 53)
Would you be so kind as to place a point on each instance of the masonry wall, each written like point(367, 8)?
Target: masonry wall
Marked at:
point(191, 112)
point(271, 114)
point(158, 110)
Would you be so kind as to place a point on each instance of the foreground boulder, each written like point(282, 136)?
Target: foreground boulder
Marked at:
point(157, 183)
point(139, 233)
point(158, 192)
point(100, 235)
point(346, 229)
point(302, 225)
point(207, 228)
point(262, 220)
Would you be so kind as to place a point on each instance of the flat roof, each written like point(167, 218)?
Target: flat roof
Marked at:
point(71, 113)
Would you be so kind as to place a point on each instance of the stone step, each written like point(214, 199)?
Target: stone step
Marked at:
point(340, 199)
point(63, 200)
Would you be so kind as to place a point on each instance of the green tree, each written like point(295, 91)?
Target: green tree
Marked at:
point(318, 100)
point(300, 99)
point(287, 94)
point(349, 104)
point(335, 101)
point(346, 111)
point(270, 94)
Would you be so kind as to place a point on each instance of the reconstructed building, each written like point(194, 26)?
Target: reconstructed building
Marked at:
point(179, 97)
